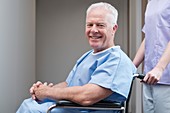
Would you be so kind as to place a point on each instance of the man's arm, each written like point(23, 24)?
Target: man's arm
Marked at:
point(140, 54)
point(154, 75)
point(61, 85)
point(84, 95)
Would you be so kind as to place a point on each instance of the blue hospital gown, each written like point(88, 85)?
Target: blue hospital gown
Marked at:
point(111, 69)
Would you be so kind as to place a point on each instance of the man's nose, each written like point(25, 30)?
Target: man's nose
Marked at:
point(94, 29)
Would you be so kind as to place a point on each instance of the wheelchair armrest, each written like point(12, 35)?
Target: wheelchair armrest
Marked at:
point(103, 104)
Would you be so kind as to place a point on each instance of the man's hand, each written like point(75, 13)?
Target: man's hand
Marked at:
point(41, 92)
point(36, 85)
point(153, 76)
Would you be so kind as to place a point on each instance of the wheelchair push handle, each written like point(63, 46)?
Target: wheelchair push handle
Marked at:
point(139, 76)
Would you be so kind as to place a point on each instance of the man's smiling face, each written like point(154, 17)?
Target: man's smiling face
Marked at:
point(99, 30)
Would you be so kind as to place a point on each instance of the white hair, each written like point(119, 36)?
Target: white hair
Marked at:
point(107, 6)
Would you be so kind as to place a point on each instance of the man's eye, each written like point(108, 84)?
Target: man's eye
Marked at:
point(89, 25)
point(101, 25)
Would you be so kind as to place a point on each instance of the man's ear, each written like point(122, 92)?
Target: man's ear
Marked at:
point(115, 27)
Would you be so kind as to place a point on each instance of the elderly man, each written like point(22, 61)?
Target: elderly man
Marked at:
point(103, 73)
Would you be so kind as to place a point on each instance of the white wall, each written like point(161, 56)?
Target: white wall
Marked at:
point(135, 34)
point(17, 52)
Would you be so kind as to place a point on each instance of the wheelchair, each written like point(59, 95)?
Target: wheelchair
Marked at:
point(102, 105)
